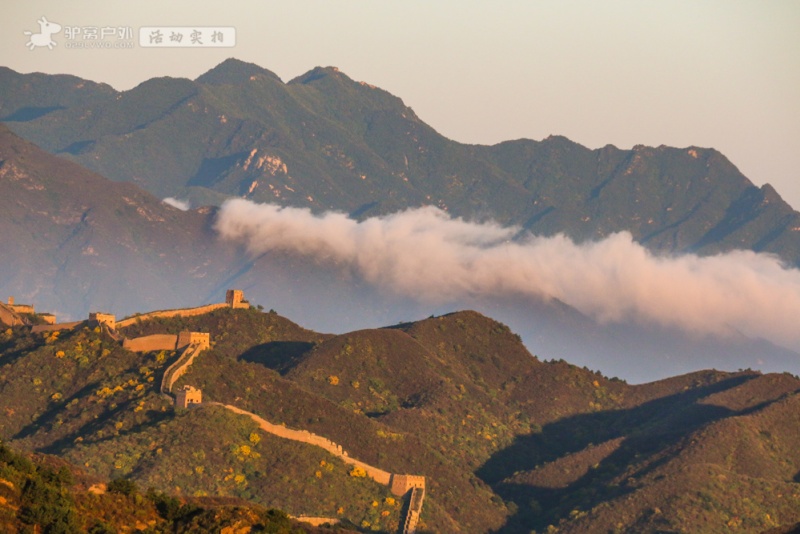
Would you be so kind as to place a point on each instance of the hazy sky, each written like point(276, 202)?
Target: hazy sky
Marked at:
point(721, 73)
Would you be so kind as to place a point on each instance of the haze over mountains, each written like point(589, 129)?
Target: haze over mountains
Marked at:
point(325, 142)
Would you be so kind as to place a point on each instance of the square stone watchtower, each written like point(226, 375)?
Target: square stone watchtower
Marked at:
point(107, 319)
point(235, 299)
point(194, 338)
point(400, 484)
point(188, 396)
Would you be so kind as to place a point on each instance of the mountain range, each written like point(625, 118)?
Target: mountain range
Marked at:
point(325, 141)
point(509, 436)
point(75, 242)
point(507, 442)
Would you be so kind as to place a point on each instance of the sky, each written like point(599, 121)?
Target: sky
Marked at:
point(712, 73)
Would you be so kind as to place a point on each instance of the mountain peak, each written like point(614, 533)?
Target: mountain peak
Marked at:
point(318, 73)
point(234, 71)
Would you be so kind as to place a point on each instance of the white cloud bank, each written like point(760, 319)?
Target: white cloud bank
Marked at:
point(426, 254)
point(182, 205)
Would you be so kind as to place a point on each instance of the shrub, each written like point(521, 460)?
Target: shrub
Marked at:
point(358, 472)
point(45, 505)
point(168, 507)
point(102, 527)
point(122, 486)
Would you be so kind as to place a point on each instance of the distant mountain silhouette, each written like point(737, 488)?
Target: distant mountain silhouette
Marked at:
point(325, 141)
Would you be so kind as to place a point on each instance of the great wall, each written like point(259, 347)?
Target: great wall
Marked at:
point(400, 485)
point(12, 314)
point(193, 343)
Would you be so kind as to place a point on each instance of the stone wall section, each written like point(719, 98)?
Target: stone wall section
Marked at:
point(304, 436)
point(182, 312)
point(150, 343)
point(177, 369)
point(316, 521)
point(57, 326)
point(398, 484)
point(411, 519)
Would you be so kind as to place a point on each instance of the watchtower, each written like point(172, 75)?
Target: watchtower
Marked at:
point(188, 396)
point(235, 299)
point(107, 319)
point(203, 339)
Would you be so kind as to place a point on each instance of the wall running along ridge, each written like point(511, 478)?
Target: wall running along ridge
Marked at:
point(183, 312)
point(398, 484)
point(177, 369)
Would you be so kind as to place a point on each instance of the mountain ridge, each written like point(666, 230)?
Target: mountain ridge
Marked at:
point(242, 137)
point(507, 442)
point(327, 142)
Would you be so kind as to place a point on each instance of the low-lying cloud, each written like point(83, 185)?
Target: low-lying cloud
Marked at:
point(182, 205)
point(425, 254)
